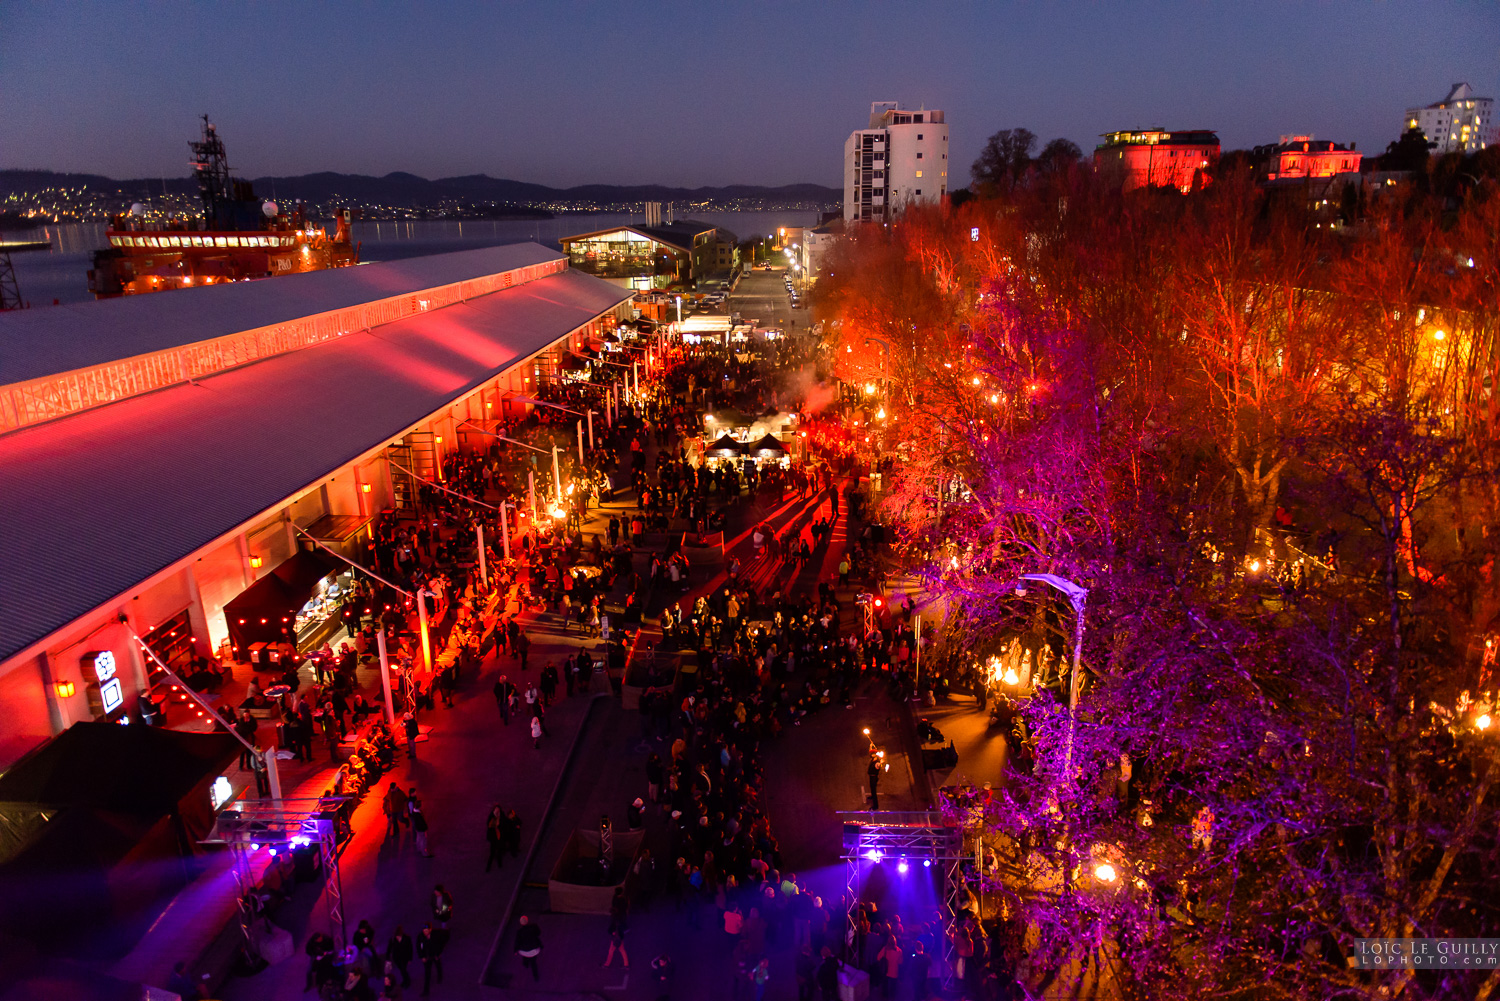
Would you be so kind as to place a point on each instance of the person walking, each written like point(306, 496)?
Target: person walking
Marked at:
point(246, 726)
point(619, 911)
point(409, 723)
point(418, 821)
point(442, 906)
point(503, 691)
point(394, 805)
point(430, 943)
point(536, 731)
point(529, 945)
point(363, 941)
point(511, 842)
point(662, 969)
point(494, 835)
point(398, 952)
point(522, 646)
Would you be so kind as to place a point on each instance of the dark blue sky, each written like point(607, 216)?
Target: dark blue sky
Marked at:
point(696, 93)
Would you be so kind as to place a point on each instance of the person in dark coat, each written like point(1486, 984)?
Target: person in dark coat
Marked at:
point(399, 951)
point(529, 945)
point(828, 976)
point(430, 943)
point(494, 835)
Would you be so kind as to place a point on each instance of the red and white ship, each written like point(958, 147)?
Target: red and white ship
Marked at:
point(238, 238)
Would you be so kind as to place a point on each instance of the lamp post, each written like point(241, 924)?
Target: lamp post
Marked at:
point(556, 475)
point(1078, 598)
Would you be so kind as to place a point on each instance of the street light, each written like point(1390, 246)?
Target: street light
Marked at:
point(1078, 598)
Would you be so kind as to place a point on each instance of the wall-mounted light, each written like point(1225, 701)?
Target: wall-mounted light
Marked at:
point(364, 487)
point(256, 561)
point(65, 689)
point(439, 439)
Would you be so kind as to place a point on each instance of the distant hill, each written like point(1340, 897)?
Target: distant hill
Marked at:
point(410, 191)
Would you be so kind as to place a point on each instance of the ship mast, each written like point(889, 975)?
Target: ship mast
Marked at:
point(211, 166)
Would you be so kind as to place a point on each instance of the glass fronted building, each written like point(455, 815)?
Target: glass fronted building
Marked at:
point(645, 257)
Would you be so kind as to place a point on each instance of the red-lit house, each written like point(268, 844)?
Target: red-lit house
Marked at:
point(1303, 157)
point(1157, 158)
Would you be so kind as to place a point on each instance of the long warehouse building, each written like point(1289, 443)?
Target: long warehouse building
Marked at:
point(159, 453)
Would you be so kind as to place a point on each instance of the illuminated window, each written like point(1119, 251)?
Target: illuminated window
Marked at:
point(919, 173)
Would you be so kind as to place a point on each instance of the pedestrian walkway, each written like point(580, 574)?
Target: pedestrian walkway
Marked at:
point(468, 762)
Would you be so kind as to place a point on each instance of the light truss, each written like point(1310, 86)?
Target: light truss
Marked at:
point(872, 836)
point(247, 826)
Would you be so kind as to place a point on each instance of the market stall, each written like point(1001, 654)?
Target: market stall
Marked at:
point(297, 603)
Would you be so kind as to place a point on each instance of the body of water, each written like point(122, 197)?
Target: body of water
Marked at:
point(61, 275)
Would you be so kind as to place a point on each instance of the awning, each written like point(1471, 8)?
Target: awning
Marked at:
point(338, 528)
point(94, 824)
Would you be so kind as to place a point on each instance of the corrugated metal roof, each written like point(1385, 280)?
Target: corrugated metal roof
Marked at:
point(41, 342)
point(96, 503)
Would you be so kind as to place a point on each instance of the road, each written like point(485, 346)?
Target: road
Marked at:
point(762, 295)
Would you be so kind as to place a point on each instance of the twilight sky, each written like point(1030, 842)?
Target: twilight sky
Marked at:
point(566, 93)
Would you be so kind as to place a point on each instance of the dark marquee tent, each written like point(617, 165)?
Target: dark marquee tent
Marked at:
point(768, 447)
point(259, 613)
point(725, 448)
point(99, 823)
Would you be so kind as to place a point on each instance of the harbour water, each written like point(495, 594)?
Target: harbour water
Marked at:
point(61, 275)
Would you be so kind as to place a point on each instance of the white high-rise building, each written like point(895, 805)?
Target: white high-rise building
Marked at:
point(1459, 123)
point(899, 161)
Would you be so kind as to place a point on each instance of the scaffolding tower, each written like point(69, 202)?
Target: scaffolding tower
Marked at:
point(10, 288)
point(249, 826)
point(872, 837)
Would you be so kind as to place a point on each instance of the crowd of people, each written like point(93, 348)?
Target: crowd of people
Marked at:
point(769, 647)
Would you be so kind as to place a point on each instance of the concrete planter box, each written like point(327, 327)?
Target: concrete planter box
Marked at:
point(568, 897)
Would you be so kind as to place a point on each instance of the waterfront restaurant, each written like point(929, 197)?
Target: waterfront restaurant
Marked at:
point(646, 257)
point(160, 455)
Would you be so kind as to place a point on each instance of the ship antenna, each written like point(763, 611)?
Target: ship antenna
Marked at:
point(211, 167)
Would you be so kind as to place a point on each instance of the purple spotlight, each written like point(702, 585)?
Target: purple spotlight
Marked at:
point(902, 867)
point(873, 855)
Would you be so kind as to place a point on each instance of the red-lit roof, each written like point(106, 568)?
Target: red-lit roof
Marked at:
point(42, 342)
point(98, 502)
